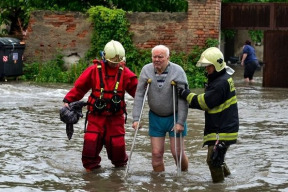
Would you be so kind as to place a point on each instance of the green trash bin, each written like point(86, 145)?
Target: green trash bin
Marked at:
point(11, 57)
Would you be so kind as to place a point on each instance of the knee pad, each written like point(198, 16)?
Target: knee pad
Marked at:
point(116, 150)
point(91, 147)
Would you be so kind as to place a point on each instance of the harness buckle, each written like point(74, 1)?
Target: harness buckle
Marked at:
point(115, 103)
point(99, 105)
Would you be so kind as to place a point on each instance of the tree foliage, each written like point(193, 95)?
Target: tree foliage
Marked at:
point(15, 13)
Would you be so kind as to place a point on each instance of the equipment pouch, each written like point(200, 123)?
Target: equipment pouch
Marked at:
point(115, 104)
point(218, 154)
point(99, 105)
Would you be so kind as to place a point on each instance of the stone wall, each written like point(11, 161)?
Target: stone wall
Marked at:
point(70, 33)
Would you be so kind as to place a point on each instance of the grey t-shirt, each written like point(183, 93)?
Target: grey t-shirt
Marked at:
point(160, 99)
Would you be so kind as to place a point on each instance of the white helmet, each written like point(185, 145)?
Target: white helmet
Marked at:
point(114, 52)
point(212, 56)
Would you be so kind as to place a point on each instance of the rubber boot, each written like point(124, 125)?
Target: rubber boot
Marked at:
point(159, 168)
point(184, 164)
point(226, 170)
point(217, 174)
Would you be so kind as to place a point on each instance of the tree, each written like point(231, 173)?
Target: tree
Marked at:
point(14, 13)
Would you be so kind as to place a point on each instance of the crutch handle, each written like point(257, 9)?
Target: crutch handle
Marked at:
point(173, 83)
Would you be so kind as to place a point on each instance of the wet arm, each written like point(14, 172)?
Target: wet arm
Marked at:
point(243, 58)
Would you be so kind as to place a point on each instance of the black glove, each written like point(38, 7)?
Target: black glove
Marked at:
point(72, 113)
point(77, 107)
point(68, 116)
point(183, 93)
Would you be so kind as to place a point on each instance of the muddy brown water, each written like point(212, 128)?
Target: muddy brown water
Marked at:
point(35, 154)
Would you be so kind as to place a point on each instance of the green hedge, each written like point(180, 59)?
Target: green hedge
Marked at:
point(112, 24)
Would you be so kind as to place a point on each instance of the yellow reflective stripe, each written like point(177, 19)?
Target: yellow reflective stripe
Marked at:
point(224, 105)
point(231, 83)
point(99, 66)
point(202, 103)
point(222, 136)
point(190, 97)
point(101, 93)
point(116, 86)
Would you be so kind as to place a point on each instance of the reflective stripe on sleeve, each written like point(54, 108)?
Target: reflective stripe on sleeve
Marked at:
point(202, 103)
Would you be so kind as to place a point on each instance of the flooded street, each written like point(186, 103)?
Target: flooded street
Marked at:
point(35, 154)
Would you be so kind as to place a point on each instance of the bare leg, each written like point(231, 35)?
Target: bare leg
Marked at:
point(157, 144)
point(184, 161)
point(246, 80)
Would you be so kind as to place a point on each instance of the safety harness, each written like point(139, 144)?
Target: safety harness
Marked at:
point(101, 105)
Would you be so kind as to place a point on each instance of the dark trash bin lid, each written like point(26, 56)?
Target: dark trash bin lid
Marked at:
point(10, 41)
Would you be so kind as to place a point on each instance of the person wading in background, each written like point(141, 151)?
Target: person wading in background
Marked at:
point(249, 62)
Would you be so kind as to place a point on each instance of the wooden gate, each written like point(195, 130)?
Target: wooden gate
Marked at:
point(272, 18)
point(275, 59)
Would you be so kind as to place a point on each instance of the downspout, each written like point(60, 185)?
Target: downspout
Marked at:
point(220, 16)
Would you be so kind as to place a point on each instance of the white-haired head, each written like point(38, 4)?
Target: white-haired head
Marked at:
point(162, 47)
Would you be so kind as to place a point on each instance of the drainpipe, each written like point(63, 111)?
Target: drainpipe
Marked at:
point(219, 35)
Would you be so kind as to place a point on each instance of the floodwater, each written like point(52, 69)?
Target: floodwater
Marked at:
point(35, 154)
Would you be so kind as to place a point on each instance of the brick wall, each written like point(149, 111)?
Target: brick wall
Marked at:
point(204, 21)
point(49, 33)
point(150, 29)
point(70, 33)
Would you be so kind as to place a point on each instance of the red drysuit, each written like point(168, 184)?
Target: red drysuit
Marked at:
point(105, 118)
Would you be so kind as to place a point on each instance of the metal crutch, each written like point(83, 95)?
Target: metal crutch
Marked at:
point(178, 162)
point(133, 143)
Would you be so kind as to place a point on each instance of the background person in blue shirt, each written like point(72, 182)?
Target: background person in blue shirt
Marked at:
point(249, 61)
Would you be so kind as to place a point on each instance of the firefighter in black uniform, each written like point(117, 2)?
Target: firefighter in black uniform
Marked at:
point(221, 112)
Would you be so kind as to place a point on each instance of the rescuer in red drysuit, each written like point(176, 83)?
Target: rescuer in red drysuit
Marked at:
point(108, 79)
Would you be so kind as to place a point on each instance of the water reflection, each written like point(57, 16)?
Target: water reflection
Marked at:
point(35, 154)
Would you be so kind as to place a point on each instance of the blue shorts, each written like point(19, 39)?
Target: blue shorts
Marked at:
point(159, 126)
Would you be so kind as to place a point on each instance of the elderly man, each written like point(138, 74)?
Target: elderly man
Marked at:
point(162, 72)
